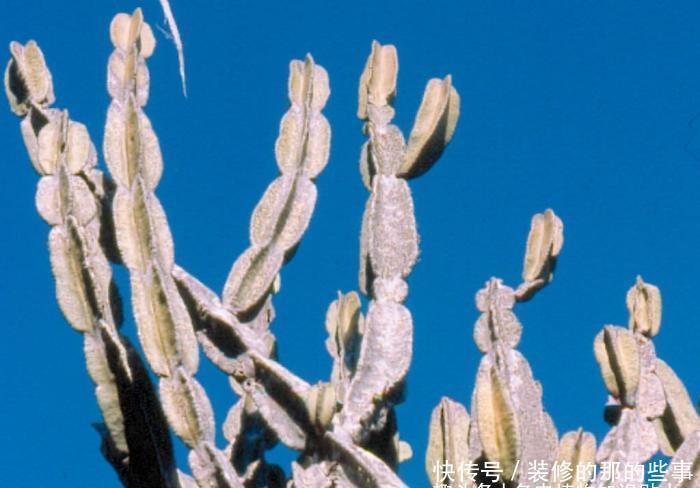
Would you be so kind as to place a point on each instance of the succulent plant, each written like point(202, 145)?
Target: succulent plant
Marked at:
point(344, 429)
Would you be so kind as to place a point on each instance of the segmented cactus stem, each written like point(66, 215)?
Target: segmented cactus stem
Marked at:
point(133, 156)
point(69, 198)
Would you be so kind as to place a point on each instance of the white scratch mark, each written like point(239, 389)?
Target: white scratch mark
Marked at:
point(177, 40)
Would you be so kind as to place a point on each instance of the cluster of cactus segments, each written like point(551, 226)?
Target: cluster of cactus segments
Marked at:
point(508, 424)
point(72, 197)
point(344, 430)
point(649, 409)
point(648, 405)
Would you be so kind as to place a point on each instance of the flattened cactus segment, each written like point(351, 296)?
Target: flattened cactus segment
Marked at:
point(448, 440)
point(617, 353)
point(544, 243)
point(577, 450)
point(28, 80)
point(644, 305)
point(135, 439)
point(284, 212)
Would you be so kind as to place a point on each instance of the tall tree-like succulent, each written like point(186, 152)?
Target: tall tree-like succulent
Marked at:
point(345, 429)
point(135, 437)
point(389, 239)
point(509, 428)
point(133, 156)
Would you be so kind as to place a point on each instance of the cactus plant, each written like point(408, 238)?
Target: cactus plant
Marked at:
point(649, 408)
point(344, 430)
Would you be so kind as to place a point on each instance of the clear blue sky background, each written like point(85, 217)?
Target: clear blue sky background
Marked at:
point(585, 107)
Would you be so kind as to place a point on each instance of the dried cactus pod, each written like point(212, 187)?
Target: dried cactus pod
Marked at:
point(644, 305)
point(577, 450)
point(322, 404)
point(28, 80)
point(538, 434)
point(285, 194)
point(187, 407)
point(448, 441)
point(544, 243)
point(70, 246)
point(162, 323)
point(344, 317)
point(107, 392)
point(251, 277)
point(62, 142)
point(433, 129)
point(388, 240)
point(499, 429)
point(131, 146)
point(127, 30)
point(345, 326)
point(617, 353)
point(304, 139)
point(378, 80)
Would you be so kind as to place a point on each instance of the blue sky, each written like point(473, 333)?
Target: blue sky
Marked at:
point(591, 108)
